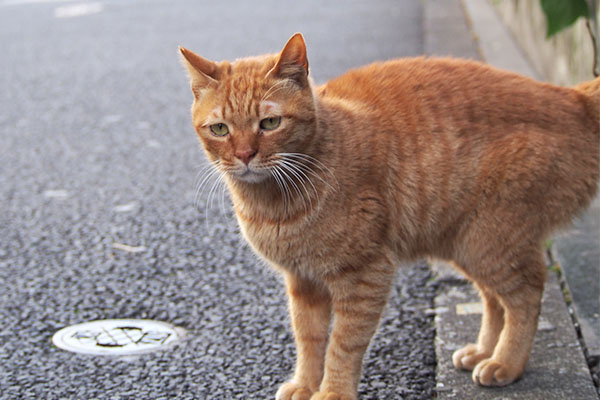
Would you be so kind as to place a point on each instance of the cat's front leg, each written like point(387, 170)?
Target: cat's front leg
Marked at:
point(310, 311)
point(359, 299)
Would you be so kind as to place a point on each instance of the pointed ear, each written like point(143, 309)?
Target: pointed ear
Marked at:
point(203, 73)
point(292, 62)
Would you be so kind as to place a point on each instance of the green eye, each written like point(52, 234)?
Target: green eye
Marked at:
point(269, 124)
point(219, 129)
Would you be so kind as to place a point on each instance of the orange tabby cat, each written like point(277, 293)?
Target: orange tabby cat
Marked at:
point(335, 185)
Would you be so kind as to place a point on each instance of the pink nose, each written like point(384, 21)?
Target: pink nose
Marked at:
point(245, 155)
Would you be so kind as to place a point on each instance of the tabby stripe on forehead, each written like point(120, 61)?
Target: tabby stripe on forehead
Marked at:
point(253, 98)
point(256, 104)
point(249, 99)
point(257, 107)
point(228, 104)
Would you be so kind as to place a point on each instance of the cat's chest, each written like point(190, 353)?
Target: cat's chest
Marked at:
point(289, 245)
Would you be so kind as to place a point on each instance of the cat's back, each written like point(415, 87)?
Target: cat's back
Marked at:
point(457, 91)
point(397, 79)
point(419, 74)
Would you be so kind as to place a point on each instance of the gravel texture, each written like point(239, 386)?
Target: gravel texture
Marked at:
point(97, 150)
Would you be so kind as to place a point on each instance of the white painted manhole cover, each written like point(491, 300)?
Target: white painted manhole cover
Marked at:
point(117, 336)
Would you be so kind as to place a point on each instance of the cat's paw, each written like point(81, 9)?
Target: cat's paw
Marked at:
point(468, 357)
point(293, 391)
point(326, 395)
point(490, 372)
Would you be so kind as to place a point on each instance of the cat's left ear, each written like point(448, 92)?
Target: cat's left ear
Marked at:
point(203, 73)
point(292, 62)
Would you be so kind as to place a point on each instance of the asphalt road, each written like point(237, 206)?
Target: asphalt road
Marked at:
point(97, 148)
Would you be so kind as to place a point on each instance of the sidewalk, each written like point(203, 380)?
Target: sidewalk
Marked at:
point(557, 368)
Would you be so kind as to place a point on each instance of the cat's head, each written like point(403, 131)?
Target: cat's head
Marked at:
point(249, 112)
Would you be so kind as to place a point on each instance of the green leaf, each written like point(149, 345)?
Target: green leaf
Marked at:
point(562, 13)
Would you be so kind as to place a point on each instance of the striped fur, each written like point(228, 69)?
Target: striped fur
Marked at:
point(391, 162)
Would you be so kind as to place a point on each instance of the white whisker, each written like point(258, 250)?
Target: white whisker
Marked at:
point(210, 197)
point(305, 174)
point(224, 194)
point(286, 184)
point(286, 170)
point(276, 177)
point(204, 176)
point(298, 173)
point(287, 193)
point(307, 161)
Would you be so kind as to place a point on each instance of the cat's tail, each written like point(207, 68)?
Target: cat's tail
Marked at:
point(591, 90)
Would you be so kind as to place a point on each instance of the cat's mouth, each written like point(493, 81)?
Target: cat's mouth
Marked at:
point(250, 175)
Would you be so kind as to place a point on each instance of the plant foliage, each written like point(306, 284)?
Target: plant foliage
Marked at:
point(562, 13)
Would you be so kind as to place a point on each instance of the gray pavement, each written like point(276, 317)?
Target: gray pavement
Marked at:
point(556, 369)
point(98, 150)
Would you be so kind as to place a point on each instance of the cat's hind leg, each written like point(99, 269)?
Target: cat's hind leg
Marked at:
point(310, 312)
point(492, 323)
point(518, 287)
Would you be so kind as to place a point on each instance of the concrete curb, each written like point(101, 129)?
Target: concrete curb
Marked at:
point(557, 368)
point(577, 251)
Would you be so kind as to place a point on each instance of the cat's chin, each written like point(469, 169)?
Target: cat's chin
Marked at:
point(250, 176)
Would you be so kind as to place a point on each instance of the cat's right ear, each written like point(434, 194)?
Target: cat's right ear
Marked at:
point(292, 62)
point(202, 72)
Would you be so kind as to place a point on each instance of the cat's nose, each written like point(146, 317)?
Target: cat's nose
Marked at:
point(245, 155)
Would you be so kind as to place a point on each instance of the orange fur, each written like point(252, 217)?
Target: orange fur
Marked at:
point(396, 161)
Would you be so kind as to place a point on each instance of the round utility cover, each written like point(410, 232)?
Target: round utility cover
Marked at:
point(117, 336)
